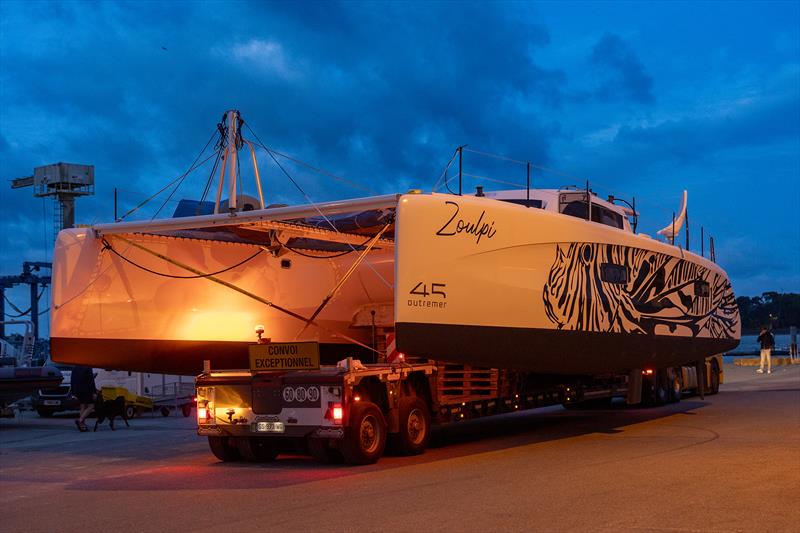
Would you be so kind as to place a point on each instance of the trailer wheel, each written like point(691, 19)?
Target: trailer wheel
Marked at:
point(222, 449)
point(321, 450)
point(660, 388)
point(256, 449)
point(714, 388)
point(164, 411)
point(130, 411)
point(365, 437)
point(415, 427)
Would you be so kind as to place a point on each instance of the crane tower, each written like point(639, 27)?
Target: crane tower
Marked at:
point(63, 182)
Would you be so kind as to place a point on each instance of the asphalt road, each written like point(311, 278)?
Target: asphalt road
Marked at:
point(729, 463)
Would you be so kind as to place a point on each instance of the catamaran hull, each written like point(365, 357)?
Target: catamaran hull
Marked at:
point(143, 313)
point(550, 351)
point(519, 288)
point(472, 280)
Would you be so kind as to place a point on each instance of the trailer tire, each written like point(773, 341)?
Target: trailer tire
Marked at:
point(321, 450)
point(415, 427)
point(256, 449)
point(714, 388)
point(222, 449)
point(365, 436)
point(660, 388)
point(130, 411)
point(164, 411)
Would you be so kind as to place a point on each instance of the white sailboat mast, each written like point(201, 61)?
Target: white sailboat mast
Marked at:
point(229, 158)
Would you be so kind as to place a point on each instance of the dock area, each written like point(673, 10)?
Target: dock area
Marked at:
point(730, 462)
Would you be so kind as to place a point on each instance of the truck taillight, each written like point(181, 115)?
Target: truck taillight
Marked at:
point(335, 412)
point(205, 412)
point(205, 405)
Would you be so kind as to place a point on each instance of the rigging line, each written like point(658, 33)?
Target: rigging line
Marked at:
point(246, 293)
point(171, 194)
point(444, 172)
point(167, 186)
point(210, 181)
point(107, 246)
point(476, 176)
point(316, 169)
point(17, 309)
point(20, 311)
point(310, 201)
point(495, 156)
point(343, 280)
point(191, 168)
point(447, 185)
point(525, 163)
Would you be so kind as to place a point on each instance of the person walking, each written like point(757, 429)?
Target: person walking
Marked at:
point(83, 387)
point(767, 341)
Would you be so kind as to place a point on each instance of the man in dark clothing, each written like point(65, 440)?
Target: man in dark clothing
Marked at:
point(83, 387)
point(767, 341)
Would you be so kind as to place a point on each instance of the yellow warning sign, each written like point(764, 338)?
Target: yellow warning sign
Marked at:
point(284, 356)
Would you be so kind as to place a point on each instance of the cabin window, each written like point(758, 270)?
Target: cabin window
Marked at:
point(611, 273)
point(603, 215)
point(575, 209)
point(606, 216)
point(701, 288)
point(527, 203)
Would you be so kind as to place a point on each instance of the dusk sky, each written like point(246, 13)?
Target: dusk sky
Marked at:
point(642, 99)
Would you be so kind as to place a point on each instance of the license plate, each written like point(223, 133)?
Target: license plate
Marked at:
point(270, 427)
point(52, 402)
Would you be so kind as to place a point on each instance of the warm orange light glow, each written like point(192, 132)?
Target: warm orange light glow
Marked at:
point(357, 398)
point(338, 413)
point(648, 372)
point(201, 413)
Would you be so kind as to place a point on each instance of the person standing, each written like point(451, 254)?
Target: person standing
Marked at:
point(767, 341)
point(83, 387)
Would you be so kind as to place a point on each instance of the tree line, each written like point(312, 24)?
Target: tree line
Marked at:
point(771, 309)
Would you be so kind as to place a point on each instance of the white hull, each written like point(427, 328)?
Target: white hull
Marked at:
point(109, 313)
point(478, 280)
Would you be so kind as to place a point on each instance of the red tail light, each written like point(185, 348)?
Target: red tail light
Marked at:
point(205, 412)
point(335, 412)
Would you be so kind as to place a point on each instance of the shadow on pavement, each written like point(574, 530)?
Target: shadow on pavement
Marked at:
point(201, 470)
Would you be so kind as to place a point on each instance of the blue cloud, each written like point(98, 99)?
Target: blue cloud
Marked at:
point(381, 93)
point(622, 73)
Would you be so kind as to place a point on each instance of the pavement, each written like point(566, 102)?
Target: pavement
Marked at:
point(730, 462)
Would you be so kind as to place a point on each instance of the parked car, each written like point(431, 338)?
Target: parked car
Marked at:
point(49, 401)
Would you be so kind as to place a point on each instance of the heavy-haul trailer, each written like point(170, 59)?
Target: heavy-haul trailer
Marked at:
point(352, 410)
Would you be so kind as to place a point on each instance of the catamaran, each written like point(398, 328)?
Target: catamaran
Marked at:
point(555, 281)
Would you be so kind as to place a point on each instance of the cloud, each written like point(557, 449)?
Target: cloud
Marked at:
point(266, 56)
point(752, 121)
point(380, 94)
point(622, 74)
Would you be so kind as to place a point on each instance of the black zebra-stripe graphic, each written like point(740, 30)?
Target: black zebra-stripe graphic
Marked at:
point(647, 290)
